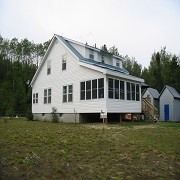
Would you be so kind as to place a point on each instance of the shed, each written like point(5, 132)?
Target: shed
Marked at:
point(169, 101)
point(153, 96)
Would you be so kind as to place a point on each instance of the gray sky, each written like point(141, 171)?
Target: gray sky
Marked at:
point(136, 27)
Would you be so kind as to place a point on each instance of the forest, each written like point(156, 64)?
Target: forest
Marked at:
point(19, 61)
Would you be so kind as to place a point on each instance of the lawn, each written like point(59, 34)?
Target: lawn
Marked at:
point(45, 150)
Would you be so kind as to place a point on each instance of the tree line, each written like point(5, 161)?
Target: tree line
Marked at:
point(19, 61)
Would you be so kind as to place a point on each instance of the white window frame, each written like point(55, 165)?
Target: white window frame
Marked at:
point(64, 62)
point(35, 98)
point(67, 93)
point(91, 54)
point(48, 96)
point(48, 67)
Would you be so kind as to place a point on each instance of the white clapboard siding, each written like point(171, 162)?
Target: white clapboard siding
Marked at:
point(74, 74)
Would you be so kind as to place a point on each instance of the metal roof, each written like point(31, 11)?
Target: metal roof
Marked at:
point(91, 61)
point(154, 92)
point(173, 92)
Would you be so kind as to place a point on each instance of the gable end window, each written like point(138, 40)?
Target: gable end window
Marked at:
point(48, 67)
point(67, 93)
point(35, 98)
point(64, 59)
point(47, 96)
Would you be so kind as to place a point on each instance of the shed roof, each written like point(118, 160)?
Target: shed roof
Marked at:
point(154, 92)
point(172, 90)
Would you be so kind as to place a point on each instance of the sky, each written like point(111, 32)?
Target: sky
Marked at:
point(138, 28)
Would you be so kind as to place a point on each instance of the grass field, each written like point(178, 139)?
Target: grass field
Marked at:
point(45, 150)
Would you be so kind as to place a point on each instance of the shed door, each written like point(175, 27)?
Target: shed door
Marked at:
point(166, 112)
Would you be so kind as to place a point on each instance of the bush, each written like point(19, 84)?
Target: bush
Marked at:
point(54, 115)
point(9, 112)
point(29, 115)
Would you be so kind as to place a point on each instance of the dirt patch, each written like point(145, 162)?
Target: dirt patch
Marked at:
point(102, 126)
point(145, 126)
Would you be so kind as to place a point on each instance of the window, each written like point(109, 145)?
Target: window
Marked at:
point(92, 89)
point(88, 89)
point(64, 93)
point(82, 91)
point(116, 89)
point(101, 88)
point(70, 93)
point(110, 88)
point(35, 98)
point(133, 91)
point(61, 115)
point(91, 54)
point(128, 88)
point(117, 63)
point(102, 59)
point(47, 96)
point(64, 58)
point(67, 93)
point(137, 92)
point(48, 67)
point(122, 90)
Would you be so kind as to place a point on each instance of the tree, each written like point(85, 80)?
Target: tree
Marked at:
point(104, 48)
point(114, 50)
point(132, 66)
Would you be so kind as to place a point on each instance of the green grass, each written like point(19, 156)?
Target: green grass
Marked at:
point(44, 150)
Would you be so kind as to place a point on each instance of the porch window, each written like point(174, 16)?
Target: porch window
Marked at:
point(122, 90)
point(110, 88)
point(82, 91)
point(94, 89)
point(101, 88)
point(88, 89)
point(137, 92)
point(133, 91)
point(116, 89)
point(128, 87)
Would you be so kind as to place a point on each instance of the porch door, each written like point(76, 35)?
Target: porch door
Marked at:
point(166, 112)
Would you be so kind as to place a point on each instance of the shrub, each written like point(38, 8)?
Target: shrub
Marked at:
point(29, 115)
point(10, 112)
point(54, 115)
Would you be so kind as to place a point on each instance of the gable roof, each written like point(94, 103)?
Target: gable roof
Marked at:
point(90, 61)
point(154, 92)
point(82, 59)
point(172, 90)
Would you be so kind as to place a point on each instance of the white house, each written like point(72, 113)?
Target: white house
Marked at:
point(169, 102)
point(81, 81)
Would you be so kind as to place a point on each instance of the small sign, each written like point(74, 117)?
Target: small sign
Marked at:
point(103, 114)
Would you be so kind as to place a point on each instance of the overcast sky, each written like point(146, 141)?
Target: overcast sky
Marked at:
point(136, 27)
